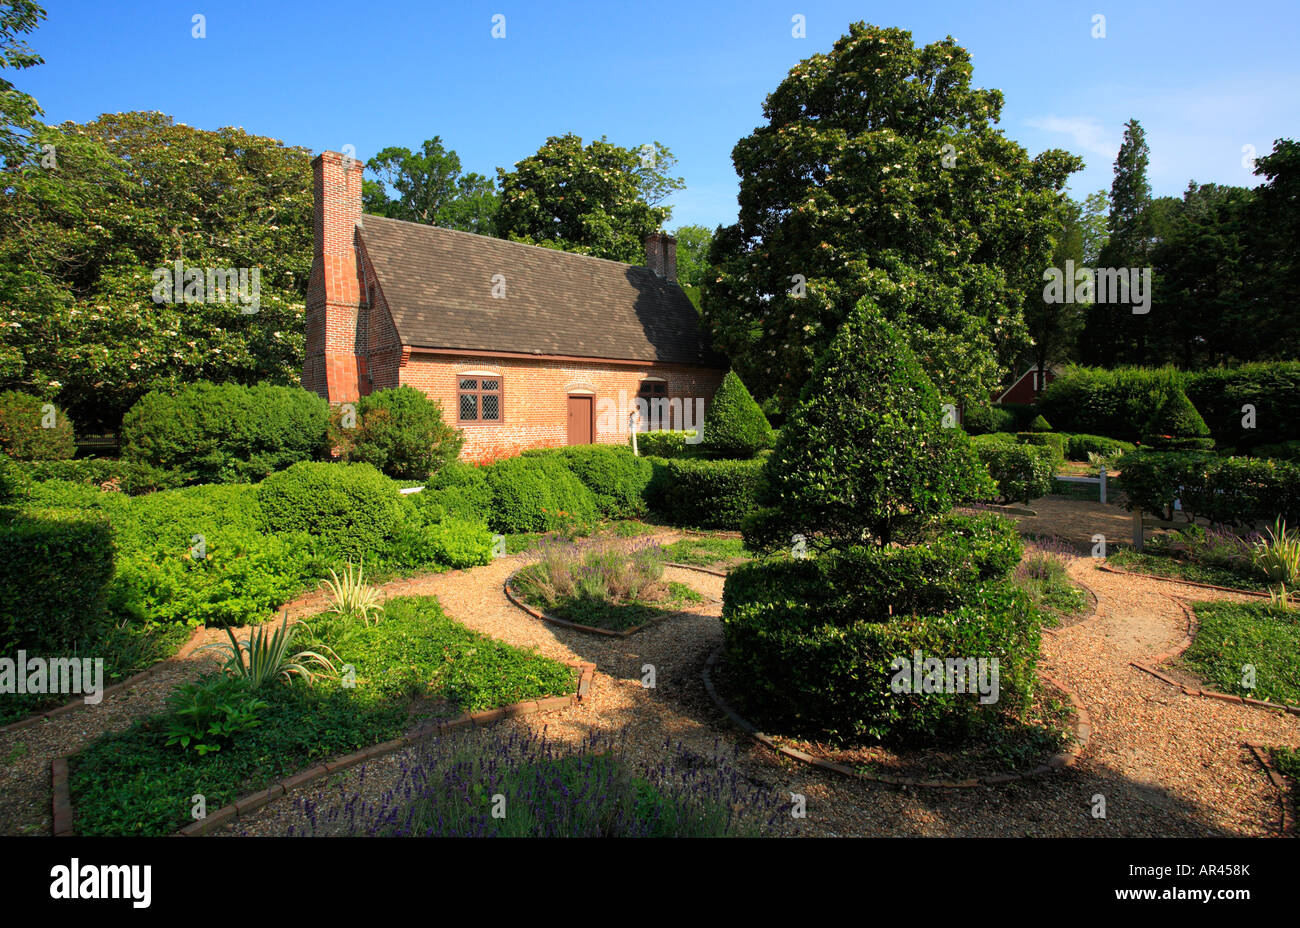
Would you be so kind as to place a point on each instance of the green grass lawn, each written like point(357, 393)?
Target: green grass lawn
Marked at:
point(134, 783)
point(706, 551)
point(1159, 565)
point(1232, 636)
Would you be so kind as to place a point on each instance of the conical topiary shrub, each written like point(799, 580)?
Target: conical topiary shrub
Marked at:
point(734, 426)
point(1177, 426)
point(866, 448)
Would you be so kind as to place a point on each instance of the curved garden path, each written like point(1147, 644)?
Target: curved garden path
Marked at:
point(1167, 764)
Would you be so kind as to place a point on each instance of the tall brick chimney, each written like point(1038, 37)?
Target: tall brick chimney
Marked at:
point(333, 361)
point(661, 255)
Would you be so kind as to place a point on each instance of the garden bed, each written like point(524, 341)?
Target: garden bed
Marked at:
point(413, 668)
point(606, 586)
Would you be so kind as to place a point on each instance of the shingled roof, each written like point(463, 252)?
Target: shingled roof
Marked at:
point(438, 285)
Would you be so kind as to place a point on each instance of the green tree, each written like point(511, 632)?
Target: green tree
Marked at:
point(599, 200)
point(879, 173)
point(430, 189)
point(1113, 334)
point(693, 243)
point(866, 448)
point(1093, 220)
point(1054, 327)
point(132, 194)
point(18, 110)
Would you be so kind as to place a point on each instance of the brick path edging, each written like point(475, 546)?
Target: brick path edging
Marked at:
point(63, 813)
point(1082, 733)
point(185, 651)
point(1276, 777)
point(1203, 586)
point(1150, 665)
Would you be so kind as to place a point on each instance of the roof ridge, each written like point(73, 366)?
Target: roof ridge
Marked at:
point(504, 241)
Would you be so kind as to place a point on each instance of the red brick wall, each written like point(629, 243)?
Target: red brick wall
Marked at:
point(535, 397)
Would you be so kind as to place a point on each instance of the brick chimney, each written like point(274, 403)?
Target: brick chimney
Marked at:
point(333, 359)
point(661, 255)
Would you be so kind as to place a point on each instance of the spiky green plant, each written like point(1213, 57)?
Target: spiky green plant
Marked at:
point(262, 657)
point(1277, 555)
point(351, 596)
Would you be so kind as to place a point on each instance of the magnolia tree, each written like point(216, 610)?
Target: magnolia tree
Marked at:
point(868, 447)
point(879, 171)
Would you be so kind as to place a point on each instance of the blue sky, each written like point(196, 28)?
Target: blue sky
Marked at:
point(1205, 78)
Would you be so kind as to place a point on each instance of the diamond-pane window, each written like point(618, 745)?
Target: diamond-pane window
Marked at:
point(480, 399)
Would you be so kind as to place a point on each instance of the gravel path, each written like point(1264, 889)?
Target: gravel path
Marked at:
point(1166, 764)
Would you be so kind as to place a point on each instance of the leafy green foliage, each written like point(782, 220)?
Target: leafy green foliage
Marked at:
point(866, 448)
point(1220, 395)
point(704, 493)
point(666, 444)
point(54, 578)
point(18, 110)
point(400, 431)
point(353, 508)
point(848, 184)
point(266, 655)
point(1116, 403)
point(208, 713)
point(1231, 635)
point(128, 782)
point(615, 478)
point(24, 435)
point(735, 426)
point(596, 200)
point(226, 433)
point(134, 192)
point(131, 477)
point(1022, 472)
point(1225, 490)
point(430, 189)
point(537, 494)
point(458, 491)
point(1178, 426)
point(1079, 447)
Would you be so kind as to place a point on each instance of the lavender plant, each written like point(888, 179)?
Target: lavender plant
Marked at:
point(525, 785)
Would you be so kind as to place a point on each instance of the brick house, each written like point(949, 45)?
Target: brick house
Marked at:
point(524, 347)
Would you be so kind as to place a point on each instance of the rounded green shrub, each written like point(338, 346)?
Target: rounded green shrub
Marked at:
point(31, 429)
point(734, 426)
point(1021, 472)
point(1053, 440)
point(458, 491)
point(400, 431)
point(616, 478)
point(532, 494)
point(352, 508)
point(226, 433)
point(982, 420)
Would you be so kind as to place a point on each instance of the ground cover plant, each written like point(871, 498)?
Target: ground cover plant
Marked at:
point(1232, 637)
point(716, 552)
point(447, 789)
point(608, 583)
point(1252, 561)
point(414, 658)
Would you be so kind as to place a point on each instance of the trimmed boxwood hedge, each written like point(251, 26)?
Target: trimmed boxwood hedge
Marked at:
point(813, 640)
point(537, 494)
point(1119, 403)
point(353, 508)
point(54, 578)
point(1273, 388)
point(1226, 490)
point(616, 478)
point(1022, 472)
point(704, 493)
point(662, 444)
point(226, 433)
point(1077, 447)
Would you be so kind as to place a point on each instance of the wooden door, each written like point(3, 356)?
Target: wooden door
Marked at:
point(582, 420)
